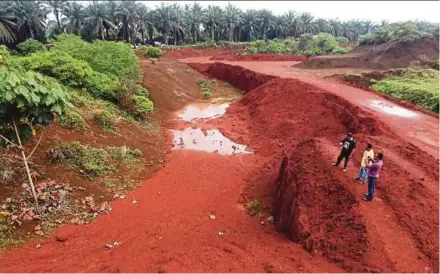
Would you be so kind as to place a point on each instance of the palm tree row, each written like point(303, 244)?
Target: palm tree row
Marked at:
point(170, 23)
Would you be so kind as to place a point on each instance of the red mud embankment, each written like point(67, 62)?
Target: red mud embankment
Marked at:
point(316, 204)
point(260, 57)
point(203, 52)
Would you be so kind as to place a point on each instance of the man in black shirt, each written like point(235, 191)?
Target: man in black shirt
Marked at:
point(348, 145)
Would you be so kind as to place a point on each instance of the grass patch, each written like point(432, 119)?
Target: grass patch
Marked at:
point(88, 160)
point(120, 184)
point(254, 206)
point(72, 120)
point(206, 89)
point(124, 154)
point(420, 87)
point(105, 119)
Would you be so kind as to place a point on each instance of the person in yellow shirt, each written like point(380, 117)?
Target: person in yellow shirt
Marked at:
point(368, 154)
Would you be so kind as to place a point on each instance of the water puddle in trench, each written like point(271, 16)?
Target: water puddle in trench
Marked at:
point(394, 110)
point(212, 141)
point(203, 111)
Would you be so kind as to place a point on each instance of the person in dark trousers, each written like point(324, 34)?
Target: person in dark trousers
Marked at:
point(373, 168)
point(348, 145)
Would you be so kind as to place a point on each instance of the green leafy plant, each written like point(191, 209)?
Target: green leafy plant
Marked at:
point(420, 87)
point(206, 89)
point(105, 119)
point(125, 154)
point(30, 46)
point(254, 206)
point(339, 50)
point(88, 160)
point(151, 52)
point(72, 120)
point(4, 51)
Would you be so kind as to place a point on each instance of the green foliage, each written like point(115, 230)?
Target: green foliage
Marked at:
point(151, 52)
point(420, 87)
point(339, 50)
point(72, 120)
point(60, 65)
point(108, 57)
point(105, 119)
point(89, 160)
point(30, 98)
point(4, 51)
point(206, 89)
point(142, 104)
point(342, 41)
point(314, 51)
point(124, 154)
point(30, 46)
point(407, 32)
point(325, 42)
point(103, 86)
point(254, 206)
point(252, 50)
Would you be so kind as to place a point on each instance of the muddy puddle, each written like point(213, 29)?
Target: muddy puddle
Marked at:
point(211, 140)
point(392, 109)
point(202, 111)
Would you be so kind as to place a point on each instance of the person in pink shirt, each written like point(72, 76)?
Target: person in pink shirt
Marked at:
point(373, 169)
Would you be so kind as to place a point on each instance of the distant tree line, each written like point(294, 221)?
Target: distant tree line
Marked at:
point(133, 22)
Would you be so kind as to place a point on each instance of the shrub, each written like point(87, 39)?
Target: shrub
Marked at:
point(124, 154)
point(89, 160)
point(30, 46)
point(418, 87)
point(30, 98)
point(108, 57)
point(342, 41)
point(252, 50)
point(105, 119)
point(314, 51)
point(254, 206)
point(103, 86)
point(206, 89)
point(151, 52)
point(4, 51)
point(60, 65)
point(325, 42)
point(72, 120)
point(339, 50)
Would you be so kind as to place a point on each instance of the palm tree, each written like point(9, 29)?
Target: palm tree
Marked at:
point(57, 7)
point(212, 19)
point(335, 27)
point(193, 19)
point(232, 20)
point(8, 26)
point(31, 17)
point(98, 20)
point(249, 24)
point(279, 28)
point(293, 23)
point(266, 22)
point(177, 23)
point(322, 25)
point(127, 13)
point(145, 24)
point(306, 23)
point(74, 17)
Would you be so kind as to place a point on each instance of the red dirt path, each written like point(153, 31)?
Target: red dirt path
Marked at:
point(168, 229)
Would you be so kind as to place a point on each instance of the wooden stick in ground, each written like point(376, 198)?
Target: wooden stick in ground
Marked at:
point(33, 150)
point(23, 155)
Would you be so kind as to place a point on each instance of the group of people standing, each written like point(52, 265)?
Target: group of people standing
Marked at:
point(370, 164)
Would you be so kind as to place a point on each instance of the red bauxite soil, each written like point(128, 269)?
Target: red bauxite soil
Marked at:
point(293, 128)
point(260, 57)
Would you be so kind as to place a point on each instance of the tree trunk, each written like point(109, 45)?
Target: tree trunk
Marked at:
point(212, 33)
point(58, 21)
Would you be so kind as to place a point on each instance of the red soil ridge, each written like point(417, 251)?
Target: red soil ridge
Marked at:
point(260, 57)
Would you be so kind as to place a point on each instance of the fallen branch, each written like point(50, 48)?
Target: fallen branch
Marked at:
point(33, 150)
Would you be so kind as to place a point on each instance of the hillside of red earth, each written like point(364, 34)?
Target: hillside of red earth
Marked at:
point(260, 57)
point(280, 207)
point(315, 204)
point(421, 53)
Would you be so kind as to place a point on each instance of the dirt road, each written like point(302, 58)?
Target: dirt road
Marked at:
point(419, 128)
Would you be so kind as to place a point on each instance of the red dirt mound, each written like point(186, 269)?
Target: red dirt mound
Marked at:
point(260, 57)
point(313, 208)
point(243, 79)
point(281, 113)
point(394, 54)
